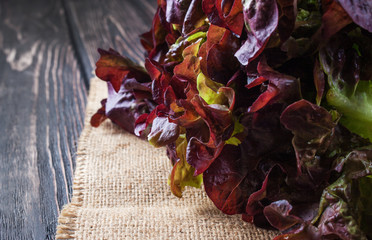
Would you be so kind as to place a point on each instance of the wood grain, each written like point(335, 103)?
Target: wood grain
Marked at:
point(42, 102)
point(47, 55)
point(113, 24)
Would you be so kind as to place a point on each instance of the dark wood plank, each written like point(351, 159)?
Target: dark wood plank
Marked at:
point(113, 24)
point(42, 102)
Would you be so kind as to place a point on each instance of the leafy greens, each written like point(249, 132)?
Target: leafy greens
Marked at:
point(267, 103)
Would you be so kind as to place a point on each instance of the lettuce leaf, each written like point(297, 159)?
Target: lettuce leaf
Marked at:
point(347, 60)
point(268, 103)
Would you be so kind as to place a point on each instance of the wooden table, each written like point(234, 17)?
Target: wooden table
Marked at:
point(47, 55)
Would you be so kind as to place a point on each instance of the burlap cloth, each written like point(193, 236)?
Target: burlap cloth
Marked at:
point(120, 192)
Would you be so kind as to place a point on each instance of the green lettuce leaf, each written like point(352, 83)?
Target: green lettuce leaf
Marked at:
point(347, 60)
point(182, 174)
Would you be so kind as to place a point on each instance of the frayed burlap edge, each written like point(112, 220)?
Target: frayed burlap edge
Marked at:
point(67, 220)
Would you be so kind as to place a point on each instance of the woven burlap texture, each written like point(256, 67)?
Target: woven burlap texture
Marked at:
point(120, 191)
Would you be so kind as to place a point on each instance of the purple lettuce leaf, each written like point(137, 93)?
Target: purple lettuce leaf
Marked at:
point(163, 132)
point(334, 18)
point(187, 13)
point(225, 181)
point(278, 215)
point(220, 61)
point(261, 19)
point(100, 116)
point(224, 89)
point(360, 11)
point(344, 209)
point(282, 88)
point(225, 13)
point(113, 68)
point(287, 18)
point(219, 121)
point(129, 92)
point(312, 127)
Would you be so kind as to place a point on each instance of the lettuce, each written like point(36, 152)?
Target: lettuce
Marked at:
point(347, 60)
point(267, 104)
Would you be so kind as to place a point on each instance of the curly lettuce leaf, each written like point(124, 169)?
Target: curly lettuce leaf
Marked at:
point(360, 11)
point(334, 18)
point(162, 132)
point(182, 174)
point(208, 90)
point(100, 116)
point(312, 127)
point(282, 88)
point(237, 122)
point(113, 68)
point(350, 79)
point(345, 205)
point(225, 13)
point(261, 19)
point(225, 181)
point(219, 120)
point(129, 92)
point(278, 214)
point(220, 63)
point(187, 13)
point(287, 18)
point(346, 202)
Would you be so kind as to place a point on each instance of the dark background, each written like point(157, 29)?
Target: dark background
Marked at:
point(47, 56)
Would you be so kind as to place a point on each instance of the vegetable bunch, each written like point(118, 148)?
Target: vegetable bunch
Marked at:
point(268, 103)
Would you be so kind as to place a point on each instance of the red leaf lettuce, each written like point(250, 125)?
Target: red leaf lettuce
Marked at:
point(268, 103)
